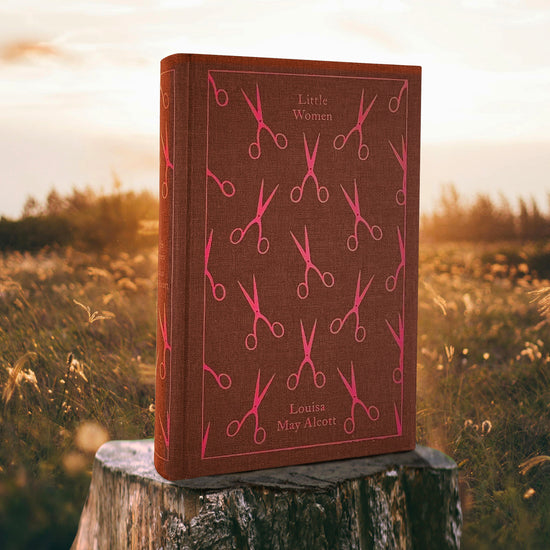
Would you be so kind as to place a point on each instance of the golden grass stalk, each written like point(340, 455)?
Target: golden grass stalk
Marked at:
point(96, 315)
point(524, 467)
point(16, 375)
point(542, 297)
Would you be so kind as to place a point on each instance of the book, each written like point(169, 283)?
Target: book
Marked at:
point(288, 262)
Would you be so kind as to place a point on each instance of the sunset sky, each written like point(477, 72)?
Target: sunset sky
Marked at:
point(79, 82)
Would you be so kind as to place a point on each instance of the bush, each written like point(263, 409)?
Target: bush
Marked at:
point(83, 220)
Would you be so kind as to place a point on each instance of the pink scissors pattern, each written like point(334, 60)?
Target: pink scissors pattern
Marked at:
point(168, 163)
point(235, 426)
point(338, 323)
point(162, 373)
point(391, 281)
point(280, 140)
point(401, 194)
point(399, 338)
point(372, 411)
point(222, 184)
point(205, 441)
point(220, 94)
point(223, 380)
point(374, 230)
point(165, 98)
point(319, 378)
point(237, 235)
point(276, 328)
point(395, 101)
point(218, 290)
point(167, 346)
point(298, 191)
point(326, 278)
point(341, 139)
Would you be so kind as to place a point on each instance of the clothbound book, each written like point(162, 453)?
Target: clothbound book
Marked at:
point(288, 262)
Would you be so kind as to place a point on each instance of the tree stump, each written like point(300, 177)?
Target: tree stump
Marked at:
point(402, 500)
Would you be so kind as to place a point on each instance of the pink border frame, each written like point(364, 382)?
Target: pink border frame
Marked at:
point(172, 97)
point(331, 443)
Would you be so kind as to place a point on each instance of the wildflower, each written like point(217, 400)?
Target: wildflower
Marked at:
point(75, 366)
point(486, 427)
point(529, 493)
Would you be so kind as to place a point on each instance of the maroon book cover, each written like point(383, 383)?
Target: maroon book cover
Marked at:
point(288, 262)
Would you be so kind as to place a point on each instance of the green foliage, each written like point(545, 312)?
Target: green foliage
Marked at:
point(34, 233)
point(83, 220)
point(483, 220)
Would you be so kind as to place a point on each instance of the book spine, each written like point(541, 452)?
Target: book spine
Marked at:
point(173, 169)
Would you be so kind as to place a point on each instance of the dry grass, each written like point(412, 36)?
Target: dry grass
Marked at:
point(77, 338)
point(70, 379)
point(484, 385)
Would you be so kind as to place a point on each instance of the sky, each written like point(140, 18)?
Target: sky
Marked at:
point(79, 83)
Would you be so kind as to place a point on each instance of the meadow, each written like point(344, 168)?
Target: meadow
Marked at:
point(77, 354)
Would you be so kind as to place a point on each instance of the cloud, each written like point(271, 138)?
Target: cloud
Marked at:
point(25, 50)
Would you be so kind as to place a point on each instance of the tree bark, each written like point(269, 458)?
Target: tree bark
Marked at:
point(404, 500)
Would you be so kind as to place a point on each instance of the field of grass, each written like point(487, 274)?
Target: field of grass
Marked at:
point(77, 337)
point(70, 379)
point(484, 385)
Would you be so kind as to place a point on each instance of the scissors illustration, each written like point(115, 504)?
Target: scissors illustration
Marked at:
point(251, 340)
point(205, 441)
point(401, 194)
point(255, 150)
point(223, 380)
point(297, 192)
point(399, 338)
point(165, 98)
point(374, 230)
point(219, 93)
point(318, 377)
point(218, 290)
point(235, 426)
point(391, 281)
point(395, 101)
point(341, 139)
point(222, 184)
point(326, 278)
point(372, 412)
point(338, 323)
point(167, 346)
point(167, 161)
point(237, 235)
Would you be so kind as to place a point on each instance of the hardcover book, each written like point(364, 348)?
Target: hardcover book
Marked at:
point(288, 262)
